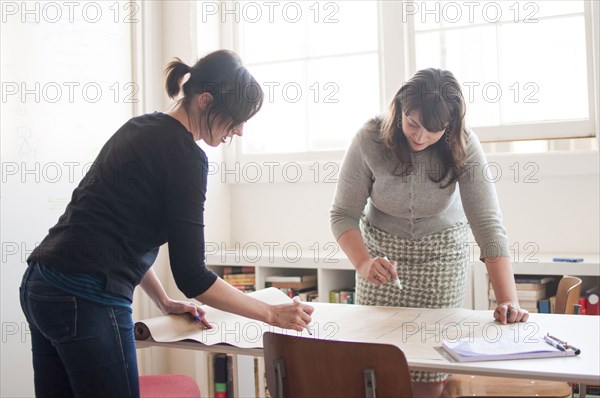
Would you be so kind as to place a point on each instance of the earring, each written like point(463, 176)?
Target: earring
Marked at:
point(447, 136)
point(399, 121)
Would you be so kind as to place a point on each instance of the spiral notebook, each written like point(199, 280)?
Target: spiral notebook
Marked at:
point(504, 347)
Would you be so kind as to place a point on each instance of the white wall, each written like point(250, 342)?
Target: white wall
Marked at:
point(552, 203)
point(67, 69)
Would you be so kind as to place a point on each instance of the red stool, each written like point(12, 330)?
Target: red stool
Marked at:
point(168, 386)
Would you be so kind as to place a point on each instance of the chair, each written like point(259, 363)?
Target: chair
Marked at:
point(567, 295)
point(168, 386)
point(307, 367)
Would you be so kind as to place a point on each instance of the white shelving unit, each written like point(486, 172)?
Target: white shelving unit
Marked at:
point(588, 271)
point(335, 272)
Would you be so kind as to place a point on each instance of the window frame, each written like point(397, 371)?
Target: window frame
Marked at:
point(401, 37)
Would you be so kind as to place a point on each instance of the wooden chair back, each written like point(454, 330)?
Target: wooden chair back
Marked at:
point(308, 367)
point(567, 294)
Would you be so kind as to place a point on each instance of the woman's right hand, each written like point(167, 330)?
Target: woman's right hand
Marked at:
point(378, 270)
point(295, 316)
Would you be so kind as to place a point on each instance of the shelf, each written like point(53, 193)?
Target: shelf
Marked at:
point(541, 264)
point(333, 272)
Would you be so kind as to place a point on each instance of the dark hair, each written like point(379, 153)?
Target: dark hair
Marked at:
point(436, 94)
point(236, 94)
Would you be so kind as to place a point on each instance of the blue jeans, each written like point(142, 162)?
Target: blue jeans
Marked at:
point(80, 348)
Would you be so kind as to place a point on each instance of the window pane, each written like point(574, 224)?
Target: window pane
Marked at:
point(473, 61)
point(455, 14)
point(433, 57)
point(281, 124)
point(347, 99)
point(318, 65)
point(544, 70)
point(514, 72)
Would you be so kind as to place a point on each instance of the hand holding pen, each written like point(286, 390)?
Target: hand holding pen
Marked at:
point(382, 270)
point(297, 300)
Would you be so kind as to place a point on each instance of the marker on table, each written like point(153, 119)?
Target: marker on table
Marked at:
point(554, 343)
point(396, 280)
point(564, 344)
point(297, 300)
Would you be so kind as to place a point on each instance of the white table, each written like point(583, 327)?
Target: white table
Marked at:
point(420, 341)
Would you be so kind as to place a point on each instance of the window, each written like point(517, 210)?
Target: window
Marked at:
point(317, 63)
point(526, 67)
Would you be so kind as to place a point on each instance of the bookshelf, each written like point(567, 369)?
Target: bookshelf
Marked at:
point(588, 271)
point(333, 272)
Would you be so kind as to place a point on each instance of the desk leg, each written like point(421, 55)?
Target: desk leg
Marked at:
point(582, 390)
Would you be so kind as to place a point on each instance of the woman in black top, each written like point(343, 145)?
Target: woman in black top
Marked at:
point(146, 187)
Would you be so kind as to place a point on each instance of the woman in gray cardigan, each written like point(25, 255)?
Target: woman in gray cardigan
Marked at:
point(398, 210)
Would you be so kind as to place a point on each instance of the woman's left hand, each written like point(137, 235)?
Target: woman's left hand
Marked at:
point(176, 307)
point(510, 313)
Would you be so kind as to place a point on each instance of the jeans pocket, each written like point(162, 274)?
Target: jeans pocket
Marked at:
point(54, 316)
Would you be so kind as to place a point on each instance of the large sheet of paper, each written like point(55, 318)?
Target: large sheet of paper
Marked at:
point(418, 332)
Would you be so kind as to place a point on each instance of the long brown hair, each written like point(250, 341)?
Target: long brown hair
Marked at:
point(236, 94)
point(436, 94)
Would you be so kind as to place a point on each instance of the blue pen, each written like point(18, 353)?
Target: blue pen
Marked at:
point(198, 318)
point(567, 260)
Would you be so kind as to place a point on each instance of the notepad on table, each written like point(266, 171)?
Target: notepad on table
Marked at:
point(471, 349)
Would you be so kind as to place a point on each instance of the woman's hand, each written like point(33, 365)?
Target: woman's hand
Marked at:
point(378, 270)
point(510, 313)
point(295, 316)
point(184, 307)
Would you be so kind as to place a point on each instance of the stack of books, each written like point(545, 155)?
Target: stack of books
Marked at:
point(342, 296)
point(242, 278)
point(223, 376)
point(533, 291)
point(303, 286)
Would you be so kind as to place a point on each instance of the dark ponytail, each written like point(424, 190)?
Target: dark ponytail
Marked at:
point(237, 96)
point(175, 71)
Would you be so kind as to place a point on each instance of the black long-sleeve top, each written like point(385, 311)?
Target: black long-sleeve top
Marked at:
point(146, 187)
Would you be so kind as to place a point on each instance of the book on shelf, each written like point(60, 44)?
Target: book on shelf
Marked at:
point(240, 279)
point(220, 375)
point(303, 294)
point(246, 282)
point(291, 278)
point(228, 270)
point(534, 279)
point(292, 285)
point(342, 296)
point(544, 306)
point(524, 295)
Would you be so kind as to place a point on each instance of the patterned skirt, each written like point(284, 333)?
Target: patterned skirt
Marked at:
point(432, 269)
